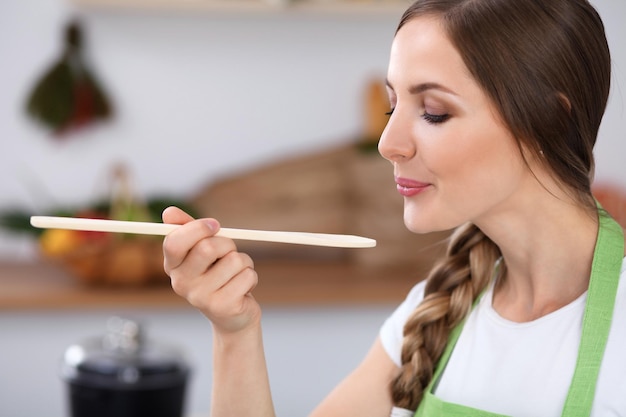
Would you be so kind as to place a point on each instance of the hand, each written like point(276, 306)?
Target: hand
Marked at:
point(208, 271)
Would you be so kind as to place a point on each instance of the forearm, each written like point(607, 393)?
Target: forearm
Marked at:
point(217, 279)
point(240, 378)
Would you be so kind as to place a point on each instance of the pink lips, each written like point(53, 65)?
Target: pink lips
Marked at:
point(408, 188)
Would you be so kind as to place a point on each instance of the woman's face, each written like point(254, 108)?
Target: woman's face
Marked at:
point(454, 161)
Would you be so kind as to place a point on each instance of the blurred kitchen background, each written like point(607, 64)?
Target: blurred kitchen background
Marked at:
point(201, 95)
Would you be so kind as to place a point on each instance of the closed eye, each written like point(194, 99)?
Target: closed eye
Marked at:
point(430, 118)
point(435, 118)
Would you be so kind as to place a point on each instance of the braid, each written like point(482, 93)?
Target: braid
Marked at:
point(451, 289)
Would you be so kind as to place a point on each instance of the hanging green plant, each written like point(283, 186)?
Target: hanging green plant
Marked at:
point(68, 95)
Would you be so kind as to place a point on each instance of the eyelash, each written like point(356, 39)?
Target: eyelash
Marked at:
point(430, 118)
point(435, 118)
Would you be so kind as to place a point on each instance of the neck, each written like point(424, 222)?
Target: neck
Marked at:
point(548, 251)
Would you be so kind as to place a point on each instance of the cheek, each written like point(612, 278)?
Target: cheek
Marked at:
point(473, 160)
point(452, 154)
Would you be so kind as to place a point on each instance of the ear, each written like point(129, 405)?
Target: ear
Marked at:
point(565, 101)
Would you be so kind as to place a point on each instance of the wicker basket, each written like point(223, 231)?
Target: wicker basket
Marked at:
point(117, 262)
point(97, 258)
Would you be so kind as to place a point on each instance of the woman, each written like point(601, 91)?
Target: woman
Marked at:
point(496, 106)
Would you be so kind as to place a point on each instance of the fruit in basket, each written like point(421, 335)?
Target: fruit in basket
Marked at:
point(55, 242)
point(100, 258)
point(89, 236)
point(59, 242)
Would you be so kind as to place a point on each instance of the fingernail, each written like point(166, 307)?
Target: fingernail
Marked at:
point(212, 224)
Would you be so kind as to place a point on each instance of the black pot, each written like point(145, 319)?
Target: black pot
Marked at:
point(123, 375)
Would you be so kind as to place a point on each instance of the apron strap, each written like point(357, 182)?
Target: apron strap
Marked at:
point(605, 273)
point(455, 333)
point(431, 405)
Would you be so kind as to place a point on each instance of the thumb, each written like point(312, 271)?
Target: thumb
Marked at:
point(174, 215)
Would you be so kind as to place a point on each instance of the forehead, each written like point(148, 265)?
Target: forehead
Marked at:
point(421, 52)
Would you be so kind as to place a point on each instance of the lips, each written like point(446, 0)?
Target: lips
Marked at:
point(408, 187)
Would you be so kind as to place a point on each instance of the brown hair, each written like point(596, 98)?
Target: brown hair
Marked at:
point(545, 65)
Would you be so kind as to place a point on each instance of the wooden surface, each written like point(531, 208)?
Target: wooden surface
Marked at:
point(344, 190)
point(297, 282)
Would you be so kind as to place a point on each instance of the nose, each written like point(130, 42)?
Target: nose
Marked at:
point(396, 144)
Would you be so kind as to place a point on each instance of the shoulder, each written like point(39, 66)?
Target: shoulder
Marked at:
point(391, 332)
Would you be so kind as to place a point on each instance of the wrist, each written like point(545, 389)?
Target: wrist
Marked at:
point(227, 339)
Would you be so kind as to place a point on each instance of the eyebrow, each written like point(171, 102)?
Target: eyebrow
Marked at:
point(422, 87)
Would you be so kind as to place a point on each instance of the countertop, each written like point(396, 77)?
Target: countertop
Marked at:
point(46, 285)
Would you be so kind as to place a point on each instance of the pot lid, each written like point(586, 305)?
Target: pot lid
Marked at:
point(124, 359)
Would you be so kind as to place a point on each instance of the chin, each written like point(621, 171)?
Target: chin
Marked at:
point(421, 224)
point(420, 227)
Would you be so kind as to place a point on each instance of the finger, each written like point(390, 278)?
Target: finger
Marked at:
point(201, 262)
point(241, 285)
point(174, 215)
point(207, 291)
point(178, 243)
point(233, 302)
point(227, 267)
point(231, 298)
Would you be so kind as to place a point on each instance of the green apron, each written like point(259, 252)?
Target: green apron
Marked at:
point(605, 273)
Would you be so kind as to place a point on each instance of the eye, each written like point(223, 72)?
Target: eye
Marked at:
point(390, 112)
point(435, 118)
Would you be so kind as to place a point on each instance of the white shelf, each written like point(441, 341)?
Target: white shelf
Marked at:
point(250, 6)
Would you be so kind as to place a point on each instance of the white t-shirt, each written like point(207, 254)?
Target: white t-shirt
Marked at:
point(522, 369)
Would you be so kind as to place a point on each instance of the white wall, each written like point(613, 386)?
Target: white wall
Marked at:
point(199, 96)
